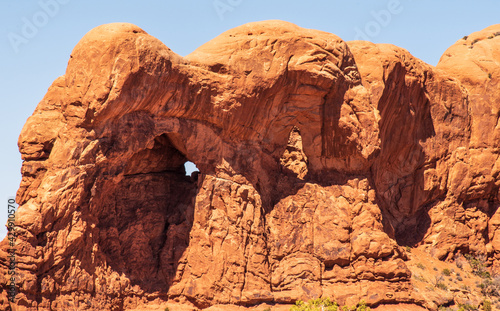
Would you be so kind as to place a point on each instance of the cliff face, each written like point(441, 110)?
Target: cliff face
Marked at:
point(319, 160)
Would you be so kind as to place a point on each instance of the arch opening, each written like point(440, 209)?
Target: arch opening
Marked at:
point(191, 168)
point(147, 216)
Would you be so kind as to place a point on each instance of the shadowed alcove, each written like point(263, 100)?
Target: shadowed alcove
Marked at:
point(147, 216)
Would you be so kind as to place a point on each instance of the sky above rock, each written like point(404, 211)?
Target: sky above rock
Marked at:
point(37, 38)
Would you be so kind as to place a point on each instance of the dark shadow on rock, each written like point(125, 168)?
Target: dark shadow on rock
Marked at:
point(145, 219)
point(398, 172)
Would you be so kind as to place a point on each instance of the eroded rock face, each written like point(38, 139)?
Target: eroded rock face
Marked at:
point(319, 159)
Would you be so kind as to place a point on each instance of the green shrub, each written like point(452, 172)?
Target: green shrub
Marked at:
point(325, 304)
point(478, 267)
point(486, 305)
point(490, 287)
point(315, 305)
point(466, 307)
point(446, 272)
point(421, 266)
point(442, 286)
point(359, 307)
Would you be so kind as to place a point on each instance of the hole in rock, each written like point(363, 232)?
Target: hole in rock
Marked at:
point(190, 168)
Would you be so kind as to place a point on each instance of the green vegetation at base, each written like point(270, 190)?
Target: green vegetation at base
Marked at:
point(478, 266)
point(325, 304)
point(489, 286)
point(315, 305)
point(442, 286)
point(467, 307)
point(446, 272)
point(461, 307)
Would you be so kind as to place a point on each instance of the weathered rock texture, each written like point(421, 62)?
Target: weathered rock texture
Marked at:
point(319, 160)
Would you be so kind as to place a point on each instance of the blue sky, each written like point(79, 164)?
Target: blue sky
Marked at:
point(37, 37)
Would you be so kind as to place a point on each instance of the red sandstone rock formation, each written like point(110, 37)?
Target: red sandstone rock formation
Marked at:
point(319, 160)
